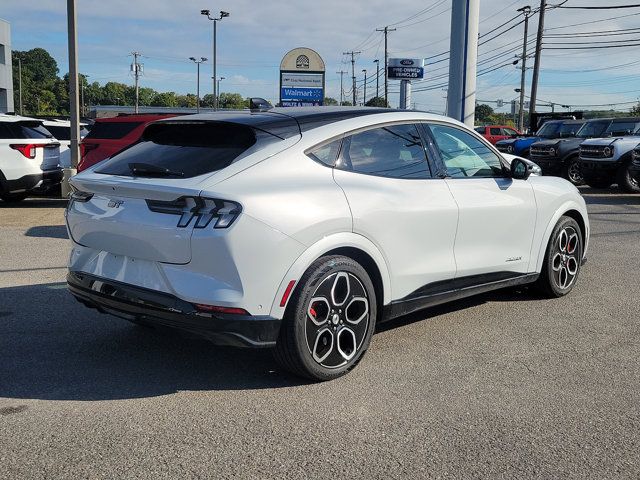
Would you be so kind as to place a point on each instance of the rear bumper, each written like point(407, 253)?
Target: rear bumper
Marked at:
point(132, 302)
point(38, 182)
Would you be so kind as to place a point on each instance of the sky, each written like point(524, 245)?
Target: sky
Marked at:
point(253, 40)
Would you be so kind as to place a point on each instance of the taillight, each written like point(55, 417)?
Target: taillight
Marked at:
point(27, 149)
point(217, 309)
point(86, 148)
point(203, 210)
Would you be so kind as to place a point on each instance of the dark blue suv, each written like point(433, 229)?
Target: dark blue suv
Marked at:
point(552, 129)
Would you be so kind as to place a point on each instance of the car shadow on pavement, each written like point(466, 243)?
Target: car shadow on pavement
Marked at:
point(48, 231)
point(37, 202)
point(53, 348)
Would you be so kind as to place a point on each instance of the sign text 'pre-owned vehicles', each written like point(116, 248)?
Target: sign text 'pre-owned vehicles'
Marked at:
point(301, 229)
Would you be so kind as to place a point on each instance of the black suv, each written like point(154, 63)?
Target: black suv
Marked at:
point(634, 168)
point(561, 156)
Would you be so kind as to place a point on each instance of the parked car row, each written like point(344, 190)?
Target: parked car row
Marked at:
point(597, 152)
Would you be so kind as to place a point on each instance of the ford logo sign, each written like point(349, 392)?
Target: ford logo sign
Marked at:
point(406, 62)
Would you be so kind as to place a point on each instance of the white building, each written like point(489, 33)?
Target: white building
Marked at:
point(6, 72)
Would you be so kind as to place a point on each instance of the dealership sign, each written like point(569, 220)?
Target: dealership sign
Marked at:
point(302, 78)
point(405, 68)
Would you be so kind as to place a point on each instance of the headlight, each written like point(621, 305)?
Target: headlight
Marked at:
point(636, 154)
point(552, 151)
point(510, 149)
point(607, 152)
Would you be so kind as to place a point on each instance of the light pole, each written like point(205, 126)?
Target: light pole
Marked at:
point(198, 62)
point(215, 21)
point(218, 86)
point(526, 11)
point(364, 96)
point(377, 62)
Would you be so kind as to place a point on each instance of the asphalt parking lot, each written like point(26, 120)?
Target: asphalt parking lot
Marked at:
point(503, 385)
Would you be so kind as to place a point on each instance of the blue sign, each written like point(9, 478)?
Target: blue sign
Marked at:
point(301, 94)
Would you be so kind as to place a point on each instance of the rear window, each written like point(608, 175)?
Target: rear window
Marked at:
point(64, 133)
point(112, 130)
point(9, 130)
point(182, 150)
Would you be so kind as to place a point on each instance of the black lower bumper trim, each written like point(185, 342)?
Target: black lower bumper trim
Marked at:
point(37, 181)
point(137, 303)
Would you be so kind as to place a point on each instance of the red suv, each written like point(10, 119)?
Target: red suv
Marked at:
point(494, 133)
point(110, 135)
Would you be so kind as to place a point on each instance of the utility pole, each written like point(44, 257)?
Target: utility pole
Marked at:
point(20, 84)
point(536, 66)
point(386, 31)
point(364, 97)
point(135, 68)
point(341, 73)
point(72, 33)
point(353, 73)
point(526, 11)
point(377, 62)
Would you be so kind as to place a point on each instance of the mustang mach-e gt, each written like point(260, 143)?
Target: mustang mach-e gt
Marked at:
point(301, 229)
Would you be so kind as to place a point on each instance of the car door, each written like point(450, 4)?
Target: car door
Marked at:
point(495, 135)
point(497, 214)
point(410, 216)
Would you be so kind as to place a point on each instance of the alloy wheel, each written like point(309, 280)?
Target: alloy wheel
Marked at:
point(565, 261)
point(574, 173)
point(337, 319)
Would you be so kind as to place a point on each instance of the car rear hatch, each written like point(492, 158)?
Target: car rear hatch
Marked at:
point(145, 201)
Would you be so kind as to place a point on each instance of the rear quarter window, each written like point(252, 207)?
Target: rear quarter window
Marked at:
point(112, 130)
point(182, 150)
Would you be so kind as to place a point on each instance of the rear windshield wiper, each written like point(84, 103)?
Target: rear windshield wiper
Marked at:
point(147, 169)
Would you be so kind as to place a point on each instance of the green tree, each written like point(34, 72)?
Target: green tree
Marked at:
point(329, 101)
point(635, 110)
point(346, 103)
point(483, 113)
point(114, 93)
point(233, 101)
point(189, 100)
point(207, 100)
point(377, 102)
point(165, 99)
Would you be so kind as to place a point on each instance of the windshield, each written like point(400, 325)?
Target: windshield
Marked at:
point(593, 129)
point(622, 128)
point(549, 130)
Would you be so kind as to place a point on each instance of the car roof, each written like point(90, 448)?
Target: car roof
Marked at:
point(17, 118)
point(142, 117)
point(626, 119)
point(288, 121)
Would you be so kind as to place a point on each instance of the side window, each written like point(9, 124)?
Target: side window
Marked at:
point(464, 155)
point(480, 130)
point(495, 131)
point(5, 131)
point(509, 131)
point(394, 151)
point(326, 153)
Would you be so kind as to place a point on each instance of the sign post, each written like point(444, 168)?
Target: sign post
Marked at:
point(405, 70)
point(302, 78)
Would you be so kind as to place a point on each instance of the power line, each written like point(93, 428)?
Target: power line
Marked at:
point(608, 7)
point(592, 21)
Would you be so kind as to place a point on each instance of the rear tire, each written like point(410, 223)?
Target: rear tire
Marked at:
point(562, 259)
point(625, 181)
point(328, 324)
point(13, 197)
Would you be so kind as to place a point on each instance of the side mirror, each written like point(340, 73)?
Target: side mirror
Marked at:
point(519, 169)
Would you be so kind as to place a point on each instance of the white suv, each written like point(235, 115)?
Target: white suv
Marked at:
point(61, 130)
point(29, 158)
point(302, 228)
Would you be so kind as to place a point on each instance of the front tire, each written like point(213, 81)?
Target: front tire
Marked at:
point(329, 321)
point(572, 172)
point(562, 259)
point(625, 180)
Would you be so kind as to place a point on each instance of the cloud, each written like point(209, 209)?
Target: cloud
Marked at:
point(254, 38)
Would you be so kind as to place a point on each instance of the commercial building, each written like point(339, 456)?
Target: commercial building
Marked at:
point(6, 72)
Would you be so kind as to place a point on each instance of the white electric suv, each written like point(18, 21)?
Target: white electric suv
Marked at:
point(302, 228)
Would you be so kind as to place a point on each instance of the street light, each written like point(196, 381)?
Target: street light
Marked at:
point(215, 21)
point(219, 80)
point(364, 96)
point(198, 62)
point(377, 62)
